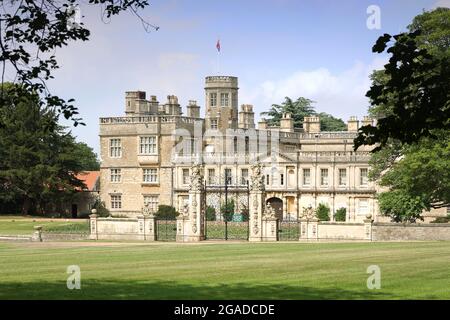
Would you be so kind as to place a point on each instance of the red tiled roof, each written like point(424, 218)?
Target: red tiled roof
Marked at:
point(89, 178)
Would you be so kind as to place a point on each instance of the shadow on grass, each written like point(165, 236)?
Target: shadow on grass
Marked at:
point(108, 289)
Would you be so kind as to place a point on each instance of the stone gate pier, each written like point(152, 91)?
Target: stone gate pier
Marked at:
point(190, 223)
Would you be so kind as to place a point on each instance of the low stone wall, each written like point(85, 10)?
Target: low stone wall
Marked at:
point(140, 228)
point(63, 236)
point(412, 231)
point(341, 231)
point(16, 238)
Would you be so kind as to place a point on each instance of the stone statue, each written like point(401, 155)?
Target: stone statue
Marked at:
point(308, 213)
point(256, 178)
point(196, 178)
point(269, 212)
point(146, 211)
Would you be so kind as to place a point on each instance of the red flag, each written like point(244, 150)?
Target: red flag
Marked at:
point(218, 45)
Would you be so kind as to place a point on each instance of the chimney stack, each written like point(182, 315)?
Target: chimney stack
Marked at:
point(246, 117)
point(193, 110)
point(311, 124)
point(286, 122)
point(353, 124)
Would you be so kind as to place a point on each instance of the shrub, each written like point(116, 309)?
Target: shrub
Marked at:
point(340, 214)
point(101, 208)
point(245, 213)
point(323, 212)
point(227, 210)
point(210, 213)
point(442, 219)
point(166, 212)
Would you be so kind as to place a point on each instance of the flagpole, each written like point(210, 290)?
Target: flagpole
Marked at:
point(218, 62)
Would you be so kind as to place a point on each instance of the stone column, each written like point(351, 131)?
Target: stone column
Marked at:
point(368, 222)
point(93, 222)
point(37, 235)
point(313, 229)
point(256, 205)
point(195, 232)
point(150, 228)
point(181, 223)
point(269, 224)
point(141, 227)
point(147, 224)
point(192, 228)
point(303, 229)
point(270, 229)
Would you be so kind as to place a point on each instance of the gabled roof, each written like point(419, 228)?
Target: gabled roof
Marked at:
point(89, 178)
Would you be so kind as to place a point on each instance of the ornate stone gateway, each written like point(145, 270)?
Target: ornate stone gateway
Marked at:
point(199, 219)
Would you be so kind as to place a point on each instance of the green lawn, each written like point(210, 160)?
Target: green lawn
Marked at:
point(225, 271)
point(13, 225)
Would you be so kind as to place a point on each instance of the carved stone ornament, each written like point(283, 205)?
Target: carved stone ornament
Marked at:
point(196, 178)
point(308, 213)
point(256, 178)
point(185, 211)
point(146, 211)
point(269, 212)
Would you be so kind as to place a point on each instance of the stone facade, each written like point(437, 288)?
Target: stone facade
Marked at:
point(147, 157)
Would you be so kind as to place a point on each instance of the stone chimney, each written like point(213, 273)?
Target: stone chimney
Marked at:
point(193, 110)
point(311, 124)
point(246, 117)
point(353, 124)
point(153, 105)
point(367, 121)
point(131, 101)
point(286, 122)
point(262, 124)
point(172, 106)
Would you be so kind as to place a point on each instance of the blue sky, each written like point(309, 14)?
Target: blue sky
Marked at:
point(317, 49)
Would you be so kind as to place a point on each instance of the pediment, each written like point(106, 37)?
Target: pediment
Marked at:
point(276, 157)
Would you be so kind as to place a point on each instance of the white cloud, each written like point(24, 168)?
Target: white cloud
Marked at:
point(441, 3)
point(341, 94)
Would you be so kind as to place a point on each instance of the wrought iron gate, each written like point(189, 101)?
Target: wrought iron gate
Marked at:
point(226, 230)
point(288, 230)
point(231, 225)
point(166, 229)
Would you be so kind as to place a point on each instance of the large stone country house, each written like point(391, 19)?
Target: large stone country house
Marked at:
point(147, 156)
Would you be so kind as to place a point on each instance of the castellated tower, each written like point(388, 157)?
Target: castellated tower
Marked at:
point(221, 94)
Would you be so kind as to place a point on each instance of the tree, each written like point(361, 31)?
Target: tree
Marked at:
point(166, 212)
point(88, 158)
point(37, 166)
point(413, 89)
point(421, 179)
point(299, 109)
point(330, 123)
point(227, 210)
point(323, 212)
point(31, 31)
point(340, 214)
point(413, 160)
point(210, 213)
point(435, 31)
